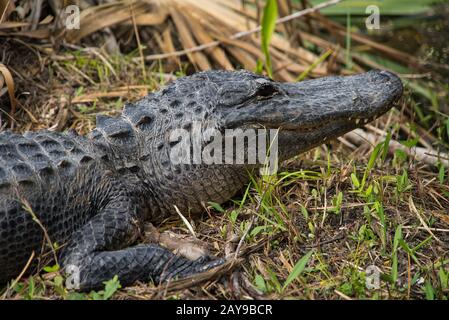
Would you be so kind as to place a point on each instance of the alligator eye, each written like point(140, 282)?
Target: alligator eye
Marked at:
point(267, 90)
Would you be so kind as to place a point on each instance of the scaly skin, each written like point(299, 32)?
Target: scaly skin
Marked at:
point(94, 193)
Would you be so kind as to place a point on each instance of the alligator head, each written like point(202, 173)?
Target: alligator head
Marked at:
point(310, 112)
point(305, 114)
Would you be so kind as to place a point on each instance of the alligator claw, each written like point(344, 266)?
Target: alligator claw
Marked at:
point(191, 268)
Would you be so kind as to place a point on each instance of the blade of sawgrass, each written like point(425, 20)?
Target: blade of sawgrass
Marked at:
point(447, 128)
point(298, 269)
point(270, 14)
point(348, 41)
point(371, 162)
point(394, 266)
point(306, 72)
point(386, 7)
point(379, 62)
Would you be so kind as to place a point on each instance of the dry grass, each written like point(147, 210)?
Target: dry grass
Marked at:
point(397, 221)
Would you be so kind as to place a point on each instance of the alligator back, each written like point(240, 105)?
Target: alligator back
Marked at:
point(41, 174)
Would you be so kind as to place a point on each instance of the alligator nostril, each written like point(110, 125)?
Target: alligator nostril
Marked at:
point(390, 79)
point(395, 83)
point(386, 75)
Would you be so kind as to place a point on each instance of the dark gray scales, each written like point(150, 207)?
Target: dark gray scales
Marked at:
point(93, 194)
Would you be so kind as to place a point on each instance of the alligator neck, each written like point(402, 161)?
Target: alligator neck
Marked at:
point(118, 141)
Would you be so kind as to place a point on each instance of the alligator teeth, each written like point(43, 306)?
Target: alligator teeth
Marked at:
point(357, 121)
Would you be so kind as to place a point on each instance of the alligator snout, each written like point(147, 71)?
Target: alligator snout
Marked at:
point(390, 80)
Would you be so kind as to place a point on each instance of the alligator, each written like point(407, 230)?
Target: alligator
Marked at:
point(91, 194)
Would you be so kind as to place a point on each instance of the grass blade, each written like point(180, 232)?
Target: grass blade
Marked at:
point(298, 269)
point(323, 57)
point(270, 14)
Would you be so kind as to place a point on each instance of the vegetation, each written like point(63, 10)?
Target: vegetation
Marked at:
point(372, 202)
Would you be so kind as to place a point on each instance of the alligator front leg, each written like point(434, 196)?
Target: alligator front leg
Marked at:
point(98, 251)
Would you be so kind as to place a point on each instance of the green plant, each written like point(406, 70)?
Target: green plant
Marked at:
point(269, 17)
point(110, 287)
point(298, 268)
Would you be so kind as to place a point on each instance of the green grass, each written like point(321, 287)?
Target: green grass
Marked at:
point(386, 7)
point(270, 14)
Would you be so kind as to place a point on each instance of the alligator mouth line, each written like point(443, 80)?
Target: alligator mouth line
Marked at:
point(319, 126)
point(355, 122)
